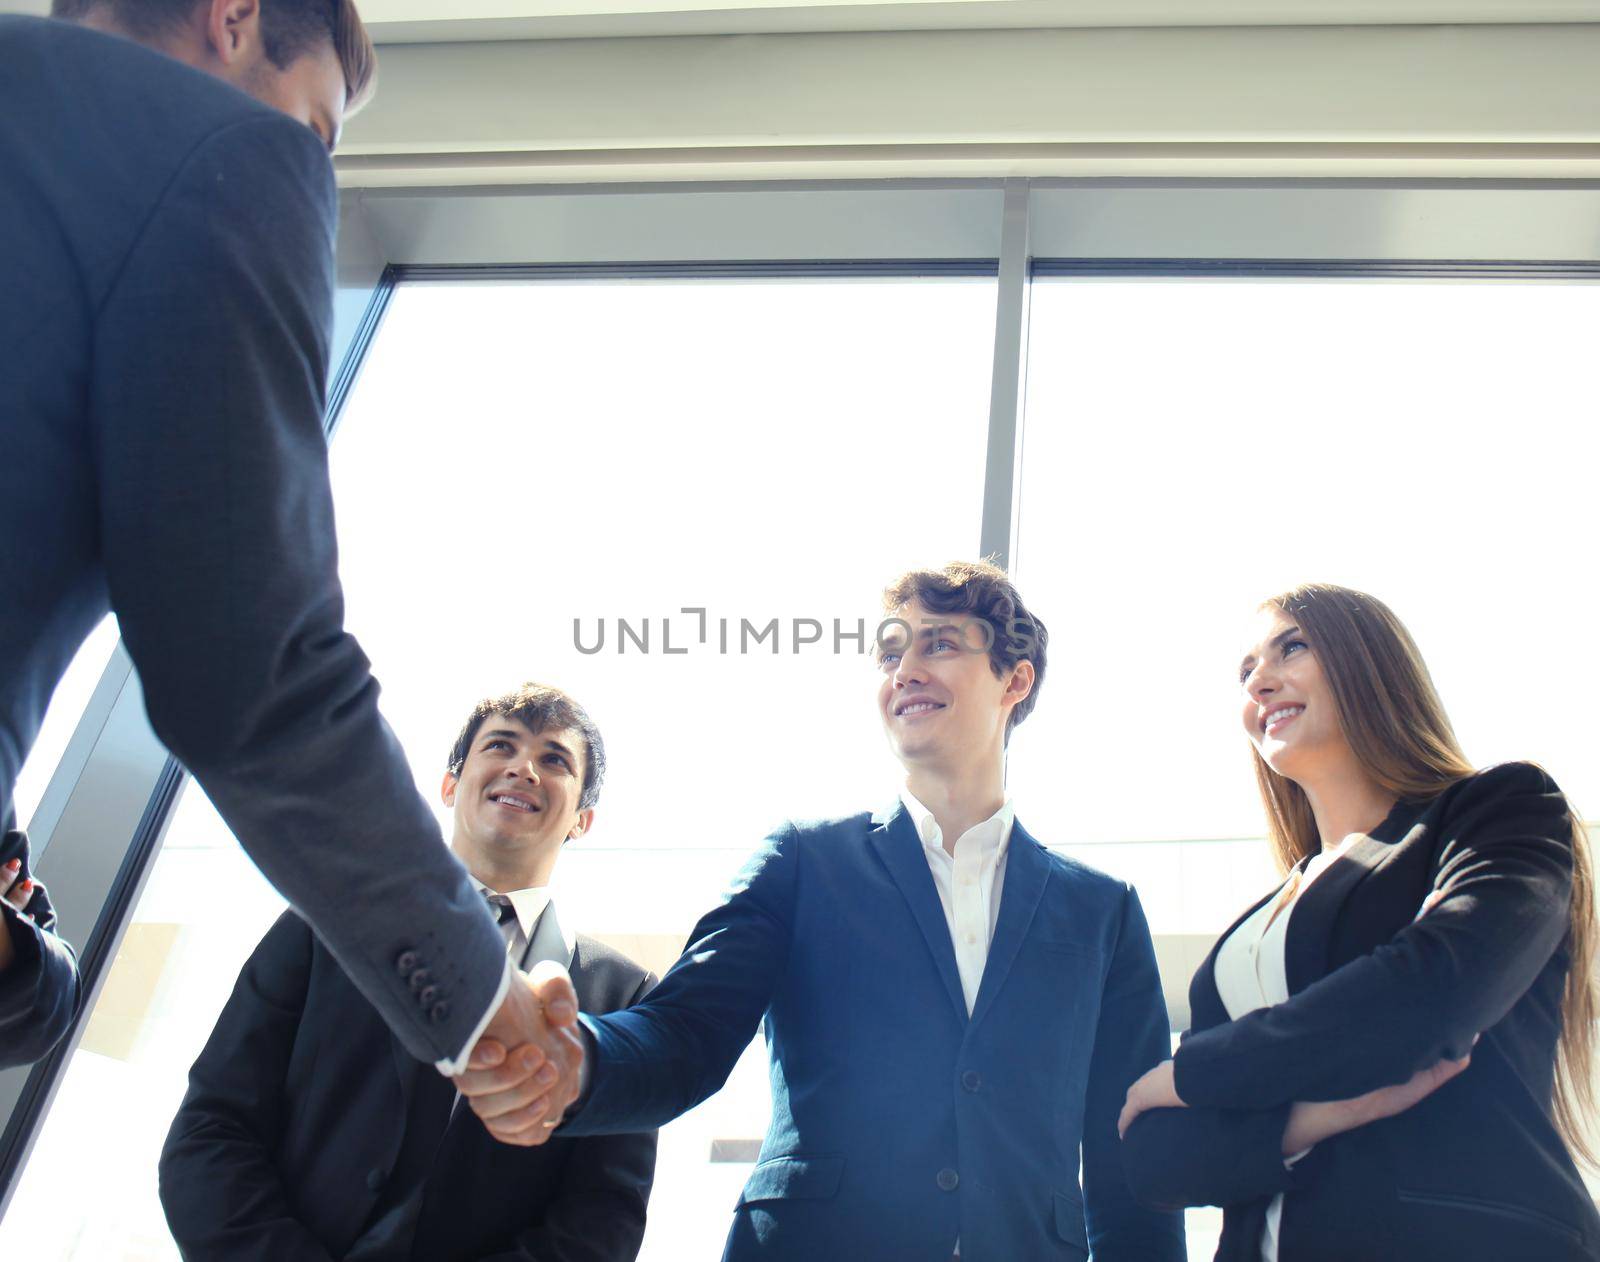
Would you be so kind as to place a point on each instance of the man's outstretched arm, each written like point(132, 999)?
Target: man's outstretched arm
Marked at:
point(216, 526)
point(658, 1059)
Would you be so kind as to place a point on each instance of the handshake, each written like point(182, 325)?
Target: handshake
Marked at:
point(528, 1068)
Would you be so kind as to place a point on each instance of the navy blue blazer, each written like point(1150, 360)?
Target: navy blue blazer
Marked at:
point(898, 1122)
point(166, 304)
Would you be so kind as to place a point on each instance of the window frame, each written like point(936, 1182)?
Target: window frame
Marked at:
point(112, 795)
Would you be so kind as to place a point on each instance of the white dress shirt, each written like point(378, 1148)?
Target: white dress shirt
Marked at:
point(1250, 973)
point(969, 884)
point(529, 905)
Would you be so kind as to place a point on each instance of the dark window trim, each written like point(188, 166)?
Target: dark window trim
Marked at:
point(1319, 269)
point(752, 269)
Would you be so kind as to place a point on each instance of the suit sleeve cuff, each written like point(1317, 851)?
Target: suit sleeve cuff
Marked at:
point(451, 1068)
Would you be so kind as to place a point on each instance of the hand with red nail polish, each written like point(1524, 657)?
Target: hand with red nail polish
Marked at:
point(8, 891)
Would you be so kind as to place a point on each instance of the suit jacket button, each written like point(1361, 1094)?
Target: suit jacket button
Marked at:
point(427, 995)
point(972, 1080)
point(374, 1180)
point(947, 1179)
point(441, 1012)
point(419, 979)
point(405, 962)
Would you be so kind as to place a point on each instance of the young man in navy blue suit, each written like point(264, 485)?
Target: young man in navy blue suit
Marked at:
point(954, 1014)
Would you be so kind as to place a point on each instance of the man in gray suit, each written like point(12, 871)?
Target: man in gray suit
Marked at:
point(168, 282)
point(307, 1135)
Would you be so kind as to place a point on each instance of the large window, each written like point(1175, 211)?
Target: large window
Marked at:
point(678, 500)
point(523, 469)
point(1195, 446)
point(1192, 447)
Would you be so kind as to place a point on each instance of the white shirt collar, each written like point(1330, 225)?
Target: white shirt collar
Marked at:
point(992, 834)
point(529, 905)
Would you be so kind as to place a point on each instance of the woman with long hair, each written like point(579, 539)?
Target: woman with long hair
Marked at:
point(1390, 1055)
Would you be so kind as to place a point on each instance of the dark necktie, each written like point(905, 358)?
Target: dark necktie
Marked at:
point(501, 906)
point(504, 913)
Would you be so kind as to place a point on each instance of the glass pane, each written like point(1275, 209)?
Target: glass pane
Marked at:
point(67, 705)
point(517, 459)
point(1194, 447)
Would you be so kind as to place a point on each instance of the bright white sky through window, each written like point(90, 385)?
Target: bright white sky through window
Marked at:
point(518, 456)
point(1194, 447)
point(515, 456)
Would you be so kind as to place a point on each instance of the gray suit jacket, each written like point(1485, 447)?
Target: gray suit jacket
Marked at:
point(167, 302)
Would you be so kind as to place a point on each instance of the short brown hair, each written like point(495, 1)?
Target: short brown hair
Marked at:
point(289, 30)
point(982, 589)
point(538, 706)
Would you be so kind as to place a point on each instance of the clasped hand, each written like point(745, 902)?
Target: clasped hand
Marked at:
point(18, 894)
point(526, 1070)
point(1310, 1122)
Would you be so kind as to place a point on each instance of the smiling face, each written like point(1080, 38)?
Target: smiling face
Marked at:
point(941, 703)
point(1287, 706)
point(516, 798)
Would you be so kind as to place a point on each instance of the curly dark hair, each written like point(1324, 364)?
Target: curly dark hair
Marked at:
point(982, 589)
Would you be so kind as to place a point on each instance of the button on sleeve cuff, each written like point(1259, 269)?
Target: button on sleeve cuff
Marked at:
point(450, 1068)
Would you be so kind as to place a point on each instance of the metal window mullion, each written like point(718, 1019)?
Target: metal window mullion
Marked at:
point(1002, 496)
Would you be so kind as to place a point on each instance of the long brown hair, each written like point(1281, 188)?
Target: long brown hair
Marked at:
point(1396, 726)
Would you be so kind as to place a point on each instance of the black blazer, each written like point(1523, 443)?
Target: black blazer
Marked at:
point(295, 1117)
point(39, 992)
point(166, 302)
point(1477, 1171)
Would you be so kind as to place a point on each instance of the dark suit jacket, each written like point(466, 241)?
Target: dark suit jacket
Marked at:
point(39, 992)
point(1477, 1170)
point(167, 282)
point(898, 1121)
point(295, 1118)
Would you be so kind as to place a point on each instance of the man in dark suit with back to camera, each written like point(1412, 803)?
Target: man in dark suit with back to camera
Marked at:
point(168, 213)
point(309, 1134)
point(954, 1014)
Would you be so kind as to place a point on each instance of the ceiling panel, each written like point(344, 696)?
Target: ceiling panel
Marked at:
point(422, 21)
point(407, 21)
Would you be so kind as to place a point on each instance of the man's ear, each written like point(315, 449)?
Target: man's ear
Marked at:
point(584, 824)
point(233, 29)
point(447, 790)
point(1019, 685)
